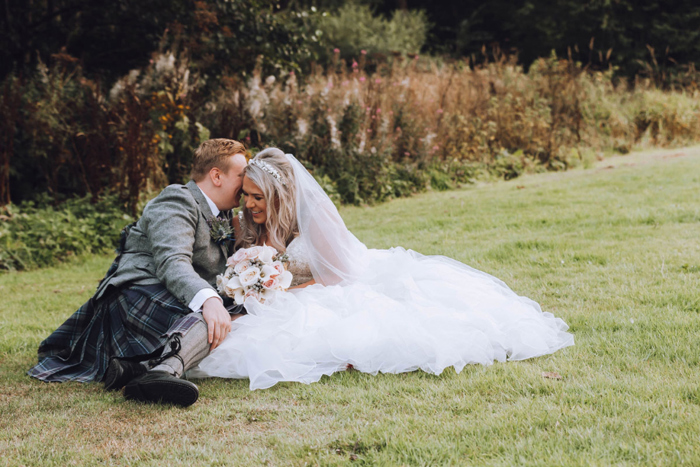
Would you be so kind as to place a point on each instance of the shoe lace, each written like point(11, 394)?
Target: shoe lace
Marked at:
point(175, 347)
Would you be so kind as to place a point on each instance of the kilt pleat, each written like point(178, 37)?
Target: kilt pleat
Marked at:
point(131, 322)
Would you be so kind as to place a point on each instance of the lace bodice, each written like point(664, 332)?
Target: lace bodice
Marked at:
point(298, 262)
point(298, 259)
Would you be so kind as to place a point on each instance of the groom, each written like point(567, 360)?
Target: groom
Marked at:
point(157, 302)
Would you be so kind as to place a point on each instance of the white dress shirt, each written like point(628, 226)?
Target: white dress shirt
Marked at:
point(205, 294)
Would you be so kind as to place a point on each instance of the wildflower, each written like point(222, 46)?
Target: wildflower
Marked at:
point(354, 64)
point(406, 153)
point(379, 111)
point(377, 80)
point(363, 52)
point(362, 79)
point(336, 50)
point(439, 111)
point(436, 147)
point(369, 130)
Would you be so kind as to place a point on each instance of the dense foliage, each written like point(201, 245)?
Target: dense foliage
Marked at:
point(39, 234)
point(111, 38)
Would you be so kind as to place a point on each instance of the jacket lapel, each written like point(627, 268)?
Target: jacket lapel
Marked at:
point(204, 209)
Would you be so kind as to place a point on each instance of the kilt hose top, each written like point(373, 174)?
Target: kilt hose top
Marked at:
point(166, 258)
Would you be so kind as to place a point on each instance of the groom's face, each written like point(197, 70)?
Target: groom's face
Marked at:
point(232, 180)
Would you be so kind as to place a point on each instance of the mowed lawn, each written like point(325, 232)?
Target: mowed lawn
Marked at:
point(614, 250)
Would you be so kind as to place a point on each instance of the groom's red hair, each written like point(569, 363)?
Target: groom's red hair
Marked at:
point(214, 153)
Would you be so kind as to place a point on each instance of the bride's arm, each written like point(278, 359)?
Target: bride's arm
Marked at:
point(301, 286)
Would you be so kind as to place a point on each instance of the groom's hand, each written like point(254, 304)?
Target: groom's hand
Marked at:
point(218, 321)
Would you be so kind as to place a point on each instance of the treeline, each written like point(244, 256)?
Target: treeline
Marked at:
point(111, 38)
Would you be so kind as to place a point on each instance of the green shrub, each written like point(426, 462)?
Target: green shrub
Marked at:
point(354, 29)
point(36, 234)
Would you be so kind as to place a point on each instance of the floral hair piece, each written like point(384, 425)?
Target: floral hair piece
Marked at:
point(269, 169)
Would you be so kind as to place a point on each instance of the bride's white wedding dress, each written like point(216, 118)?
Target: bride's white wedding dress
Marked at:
point(387, 311)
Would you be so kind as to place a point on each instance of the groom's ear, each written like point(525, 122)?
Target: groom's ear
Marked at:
point(215, 176)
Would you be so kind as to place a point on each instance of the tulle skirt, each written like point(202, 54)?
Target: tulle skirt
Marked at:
point(409, 312)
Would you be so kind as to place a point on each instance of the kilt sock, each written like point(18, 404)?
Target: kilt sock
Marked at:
point(187, 345)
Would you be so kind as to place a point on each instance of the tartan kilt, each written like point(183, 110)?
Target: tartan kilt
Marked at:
point(132, 322)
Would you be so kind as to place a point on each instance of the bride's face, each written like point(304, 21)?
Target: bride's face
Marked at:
point(254, 201)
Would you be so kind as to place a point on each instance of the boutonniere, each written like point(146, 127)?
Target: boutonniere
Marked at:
point(221, 230)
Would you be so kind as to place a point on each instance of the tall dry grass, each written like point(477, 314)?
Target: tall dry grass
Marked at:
point(416, 121)
point(367, 133)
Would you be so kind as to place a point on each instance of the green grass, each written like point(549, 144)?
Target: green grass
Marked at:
point(613, 251)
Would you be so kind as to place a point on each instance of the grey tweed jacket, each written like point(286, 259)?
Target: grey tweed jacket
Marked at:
point(171, 245)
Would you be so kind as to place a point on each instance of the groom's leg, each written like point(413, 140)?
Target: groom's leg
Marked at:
point(187, 345)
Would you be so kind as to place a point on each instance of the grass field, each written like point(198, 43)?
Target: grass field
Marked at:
point(613, 250)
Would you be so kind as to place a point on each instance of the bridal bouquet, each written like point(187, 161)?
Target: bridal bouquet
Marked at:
point(257, 272)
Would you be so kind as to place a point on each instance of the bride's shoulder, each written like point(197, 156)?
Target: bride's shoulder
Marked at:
point(296, 243)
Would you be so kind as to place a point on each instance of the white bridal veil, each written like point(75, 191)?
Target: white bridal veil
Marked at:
point(336, 256)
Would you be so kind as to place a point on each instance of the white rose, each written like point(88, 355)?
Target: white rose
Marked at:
point(232, 285)
point(220, 282)
point(250, 276)
point(252, 252)
point(285, 280)
point(241, 267)
point(266, 254)
point(244, 254)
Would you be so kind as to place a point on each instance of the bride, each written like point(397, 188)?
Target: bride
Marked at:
point(387, 311)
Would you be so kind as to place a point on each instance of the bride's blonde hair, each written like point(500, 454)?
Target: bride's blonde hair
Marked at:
point(271, 171)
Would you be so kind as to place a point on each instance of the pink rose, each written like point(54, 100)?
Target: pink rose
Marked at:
point(252, 293)
point(245, 254)
point(271, 283)
point(279, 266)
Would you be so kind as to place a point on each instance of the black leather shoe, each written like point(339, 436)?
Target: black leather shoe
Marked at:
point(161, 387)
point(119, 372)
